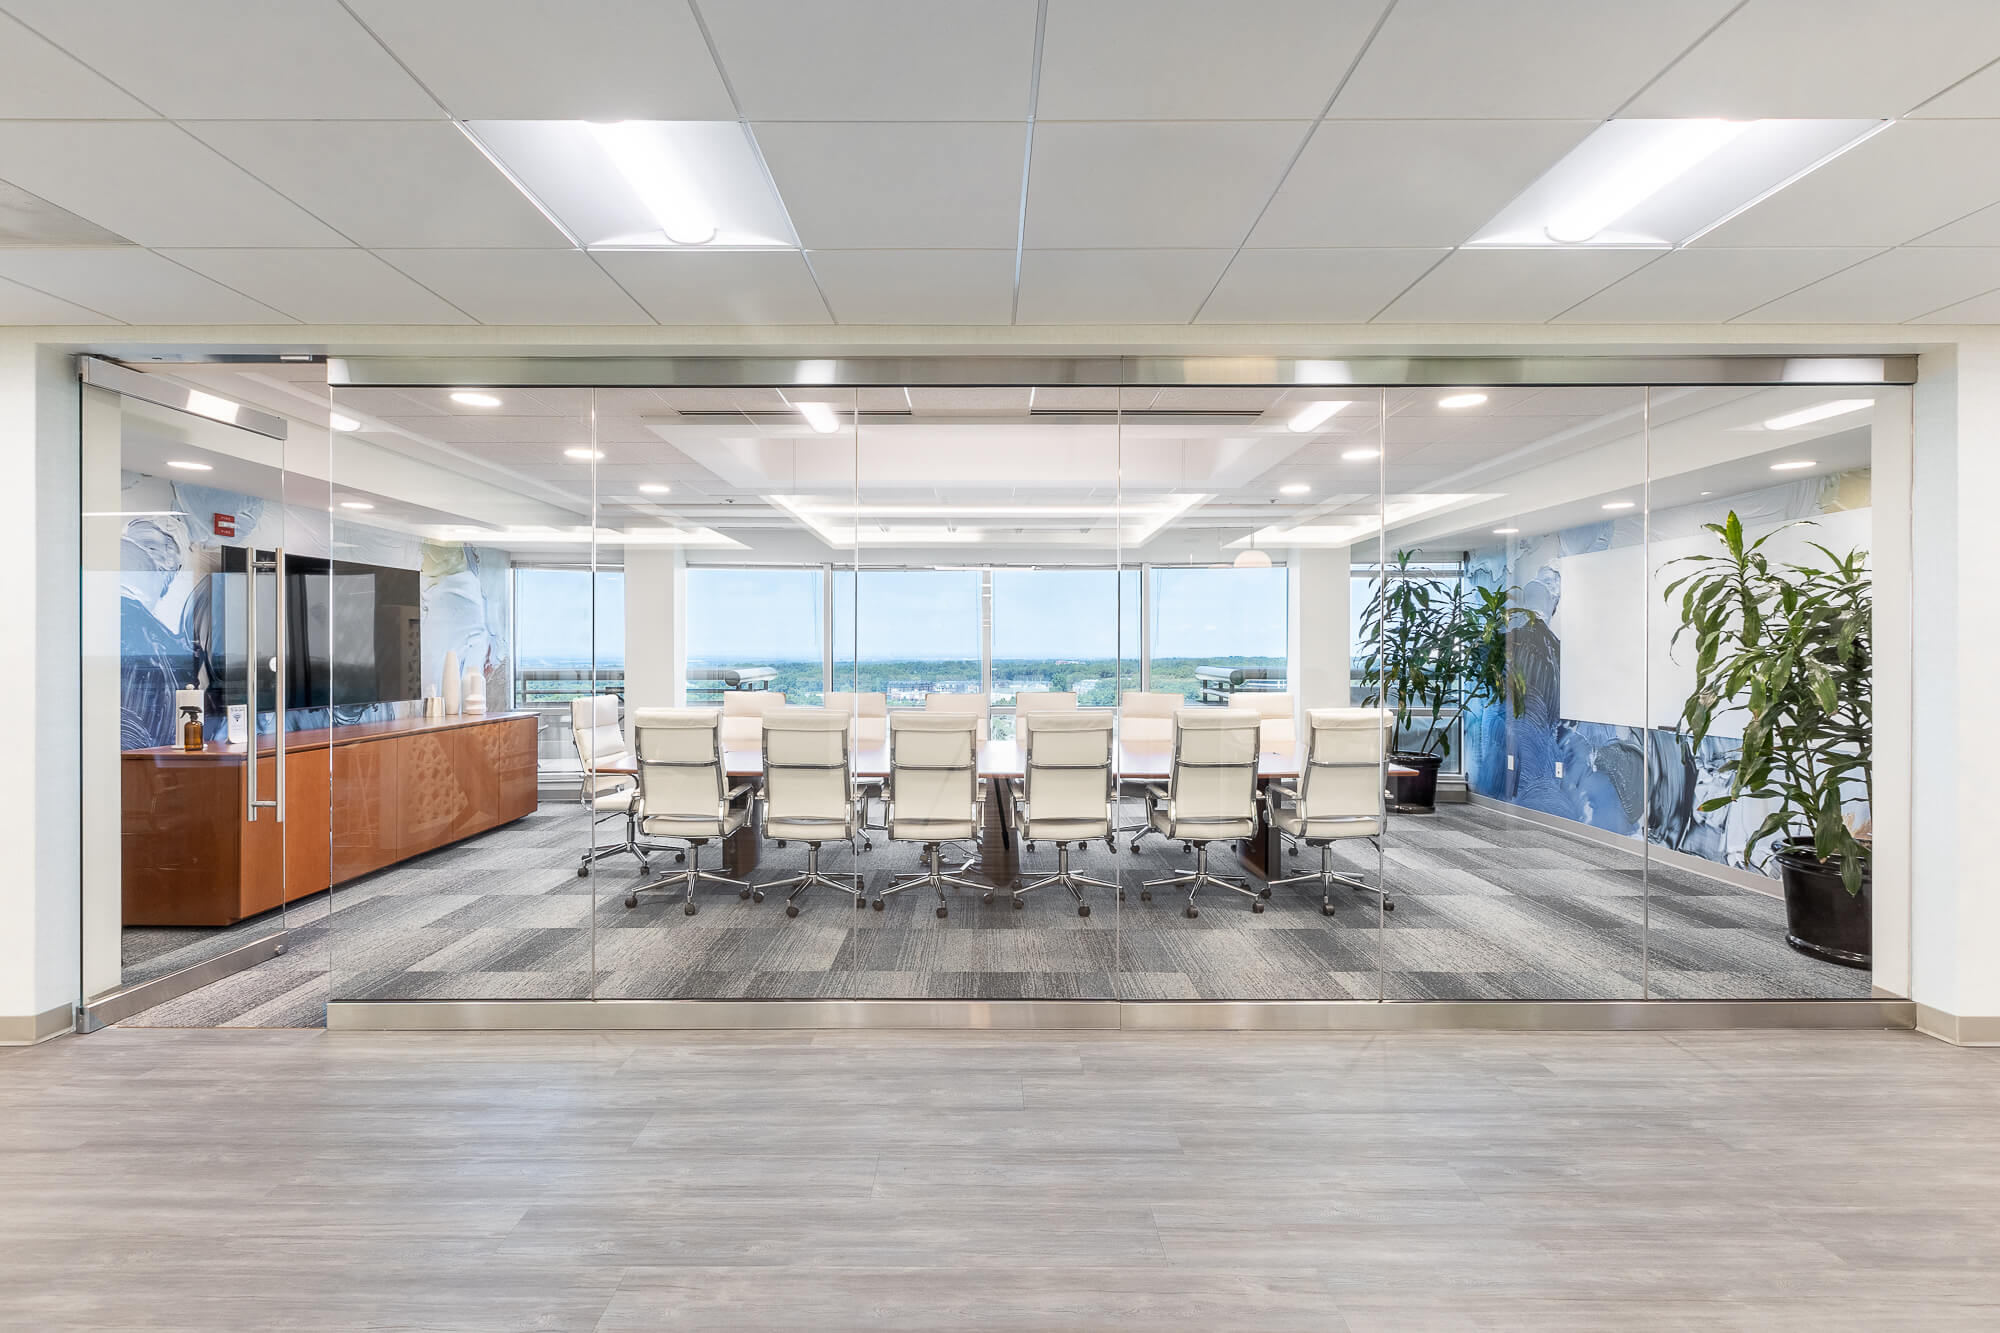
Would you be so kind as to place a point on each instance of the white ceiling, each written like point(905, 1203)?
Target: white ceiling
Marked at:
point(987, 161)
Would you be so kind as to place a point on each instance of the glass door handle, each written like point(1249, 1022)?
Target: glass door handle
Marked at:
point(251, 566)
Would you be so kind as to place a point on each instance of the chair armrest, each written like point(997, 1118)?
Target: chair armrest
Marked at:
point(1155, 792)
point(739, 789)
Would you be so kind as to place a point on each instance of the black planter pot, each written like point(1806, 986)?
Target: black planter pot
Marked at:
point(1416, 794)
point(1821, 917)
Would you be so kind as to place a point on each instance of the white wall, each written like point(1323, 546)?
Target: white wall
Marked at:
point(655, 628)
point(1320, 655)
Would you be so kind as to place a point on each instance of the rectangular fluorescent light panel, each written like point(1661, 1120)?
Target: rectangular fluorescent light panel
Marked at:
point(1658, 184)
point(643, 184)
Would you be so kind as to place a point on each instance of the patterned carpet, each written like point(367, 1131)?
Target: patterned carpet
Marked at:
point(1487, 907)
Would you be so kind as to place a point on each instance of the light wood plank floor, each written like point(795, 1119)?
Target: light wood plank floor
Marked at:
point(281, 1179)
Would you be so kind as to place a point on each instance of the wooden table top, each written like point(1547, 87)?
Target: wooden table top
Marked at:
point(1006, 759)
point(318, 738)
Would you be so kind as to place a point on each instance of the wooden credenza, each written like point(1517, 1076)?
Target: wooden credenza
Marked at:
point(358, 798)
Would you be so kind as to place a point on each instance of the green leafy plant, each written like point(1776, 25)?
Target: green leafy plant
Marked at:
point(1789, 645)
point(1439, 645)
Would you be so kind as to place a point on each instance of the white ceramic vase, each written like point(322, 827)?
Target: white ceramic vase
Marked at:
point(449, 685)
point(475, 694)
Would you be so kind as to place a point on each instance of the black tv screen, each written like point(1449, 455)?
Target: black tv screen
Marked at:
point(353, 632)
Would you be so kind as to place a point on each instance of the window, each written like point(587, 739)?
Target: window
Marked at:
point(771, 618)
point(907, 633)
point(552, 635)
point(1217, 629)
point(1065, 630)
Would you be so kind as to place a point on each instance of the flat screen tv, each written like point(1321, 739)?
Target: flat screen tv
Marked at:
point(352, 632)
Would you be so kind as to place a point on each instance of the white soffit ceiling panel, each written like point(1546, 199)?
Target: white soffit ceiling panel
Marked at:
point(1776, 58)
point(24, 305)
point(1116, 286)
point(1313, 286)
point(1409, 182)
point(854, 186)
point(223, 59)
point(557, 59)
point(1511, 286)
point(876, 59)
point(521, 286)
point(1983, 309)
point(1892, 287)
point(387, 183)
point(1162, 185)
point(1978, 96)
point(152, 183)
point(1526, 59)
point(1981, 228)
point(1912, 177)
point(1709, 286)
point(917, 286)
point(719, 287)
point(1198, 60)
point(37, 79)
point(324, 286)
point(136, 286)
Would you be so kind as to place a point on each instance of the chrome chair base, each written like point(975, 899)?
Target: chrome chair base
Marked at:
point(1326, 877)
point(688, 878)
point(1063, 876)
point(1201, 878)
point(631, 846)
point(799, 884)
point(934, 875)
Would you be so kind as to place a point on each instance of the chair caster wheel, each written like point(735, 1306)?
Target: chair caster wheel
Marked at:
point(1187, 849)
point(743, 893)
point(1256, 905)
point(791, 909)
point(1134, 847)
point(1145, 895)
point(645, 868)
point(878, 904)
point(1111, 846)
point(943, 913)
point(1083, 909)
point(1192, 912)
point(1326, 909)
point(1264, 892)
point(631, 900)
point(1031, 846)
point(681, 857)
point(1018, 904)
point(756, 895)
point(690, 909)
point(781, 842)
point(986, 897)
point(867, 846)
point(583, 871)
point(1121, 895)
point(1388, 906)
point(861, 900)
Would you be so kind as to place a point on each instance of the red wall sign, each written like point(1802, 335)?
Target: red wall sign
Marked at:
point(225, 525)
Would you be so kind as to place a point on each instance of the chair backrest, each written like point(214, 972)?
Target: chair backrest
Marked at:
point(600, 742)
point(869, 711)
point(1147, 715)
point(1030, 702)
point(1068, 771)
point(933, 768)
point(681, 775)
point(743, 715)
point(1341, 790)
point(1278, 711)
point(807, 779)
point(974, 705)
point(1214, 779)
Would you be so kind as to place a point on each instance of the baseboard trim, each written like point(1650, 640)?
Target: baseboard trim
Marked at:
point(119, 1005)
point(1666, 856)
point(28, 1029)
point(1959, 1029)
point(1104, 1015)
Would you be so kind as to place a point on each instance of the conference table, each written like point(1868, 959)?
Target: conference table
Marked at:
point(1003, 763)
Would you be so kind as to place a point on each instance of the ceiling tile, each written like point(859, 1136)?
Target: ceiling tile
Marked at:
point(1197, 60)
point(24, 305)
point(1409, 182)
point(1526, 59)
point(222, 58)
point(555, 59)
point(1909, 179)
point(1116, 286)
point(521, 286)
point(1890, 288)
point(39, 80)
point(152, 183)
point(1981, 228)
point(1976, 97)
point(387, 183)
point(1510, 286)
point(1794, 58)
point(917, 286)
point(1164, 185)
point(852, 187)
point(1313, 286)
point(136, 286)
point(876, 59)
point(324, 286)
point(723, 287)
point(1710, 286)
point(1982, 309)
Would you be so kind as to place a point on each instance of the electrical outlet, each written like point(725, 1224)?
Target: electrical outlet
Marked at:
point(1559, 768)
point(1510, 763)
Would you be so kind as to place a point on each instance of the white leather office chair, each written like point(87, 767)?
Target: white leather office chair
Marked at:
point(1278, 728)
point(684, 791)
point(1211, 795)
point(870, 711)
point(933, 794)
point(600, 744)
point(1066, 795)
point(1340, 795)
point(809, 795)
point(743, 716)
point(1029, 702)
point(961, 705)
point(1145, 717)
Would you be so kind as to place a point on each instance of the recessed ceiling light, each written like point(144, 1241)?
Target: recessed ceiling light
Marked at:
point(654, 487)
point(1650, 167)
point(1462, 400)
point(1360, 455)
point(1708, 492)
point(1295, 488)
point(355, 504)
point(820, 416)
point(1620, 504)
point(658, 175)
point(1792, 464)
point(1314, 415)
point(191, 467)
point(1840, 407)
point(293, 356)
point(472, 399)
point(584, 455)
point(339, 422)
point(1505, 532)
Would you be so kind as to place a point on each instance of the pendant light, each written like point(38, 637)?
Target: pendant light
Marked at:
point(1252, 558)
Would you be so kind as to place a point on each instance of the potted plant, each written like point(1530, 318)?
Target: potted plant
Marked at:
point(1440, 646)
point(1789, 645)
